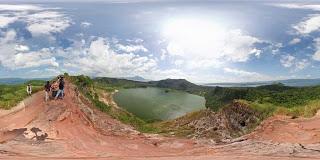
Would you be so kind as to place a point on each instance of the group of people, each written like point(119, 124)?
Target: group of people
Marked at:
point(56, 89)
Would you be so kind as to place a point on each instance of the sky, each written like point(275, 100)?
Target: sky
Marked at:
point(201, 41)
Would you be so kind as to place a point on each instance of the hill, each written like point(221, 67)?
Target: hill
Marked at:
point(288, 82)
point(135, 78)
point(177, 84)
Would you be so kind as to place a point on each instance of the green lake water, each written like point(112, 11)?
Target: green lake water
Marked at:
point(157, 104)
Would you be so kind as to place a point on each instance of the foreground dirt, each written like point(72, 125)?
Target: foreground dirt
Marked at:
point(73, 129)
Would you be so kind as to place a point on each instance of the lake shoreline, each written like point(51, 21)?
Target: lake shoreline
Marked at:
point(107, 98)
point(154, 103)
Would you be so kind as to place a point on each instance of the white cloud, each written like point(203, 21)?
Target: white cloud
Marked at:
point(295, 41)
point(40, 20)
point(85, 24)
point(316, 55)
point(22, 48)
point(178, 62)
point(289, 61)
point(100, 59)
point(47, 22)
point(15, 56)
point(8, 37)
point(33, 59)
point(20, 7)
point(315, 7)
point(195, 40)
point(302, 64)
point(131, 48)
point(309, 25)
point(6, 20)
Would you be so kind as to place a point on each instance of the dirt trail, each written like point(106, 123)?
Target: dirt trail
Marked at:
point(72, 128)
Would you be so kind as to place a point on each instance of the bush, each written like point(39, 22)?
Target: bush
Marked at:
point(276, 94)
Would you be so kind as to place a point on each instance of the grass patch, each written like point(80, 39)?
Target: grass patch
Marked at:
point(11, 95)
point(267, 109)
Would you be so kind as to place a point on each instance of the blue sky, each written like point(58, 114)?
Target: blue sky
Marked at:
point(202, 41)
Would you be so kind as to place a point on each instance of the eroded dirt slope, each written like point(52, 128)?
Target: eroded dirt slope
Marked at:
point(72, 128)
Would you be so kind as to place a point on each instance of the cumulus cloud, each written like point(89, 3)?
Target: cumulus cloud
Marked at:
point(100, 59)
point(32, 59)
point(131, 48)
point(47, 22)
point(316, 55)
point(295, 41)
point(289, 61)
point(39, 20)
point(85, 24)
point(15, 56)
point(5, 20)
point(22, 48)
point(309, 25)
point(302, 64)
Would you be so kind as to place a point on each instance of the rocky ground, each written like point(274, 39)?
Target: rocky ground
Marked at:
point(72, 128)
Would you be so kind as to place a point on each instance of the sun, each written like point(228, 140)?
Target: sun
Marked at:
point(193, 36)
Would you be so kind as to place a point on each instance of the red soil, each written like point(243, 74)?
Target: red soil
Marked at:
point(72, 129)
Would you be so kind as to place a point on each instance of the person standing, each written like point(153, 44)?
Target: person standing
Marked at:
point(55, 88)
point(29, 89)
point(47, 89)
point(61, 89)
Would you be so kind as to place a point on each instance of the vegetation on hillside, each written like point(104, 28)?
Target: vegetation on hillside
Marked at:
point(268, 99)
point(264, 101)
point(91, 90)
point(177, 84)
point(11, 95)
point(296, 101)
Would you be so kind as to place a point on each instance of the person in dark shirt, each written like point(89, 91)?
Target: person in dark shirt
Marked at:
point(61, 89)
point(47, 89)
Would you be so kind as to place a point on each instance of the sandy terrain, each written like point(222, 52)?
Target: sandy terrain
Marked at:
point(73, 129)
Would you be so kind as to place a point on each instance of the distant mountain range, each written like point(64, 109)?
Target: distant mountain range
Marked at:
point(181, 83)
point(288, 82)
point(135, 78)
point(18, 80)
